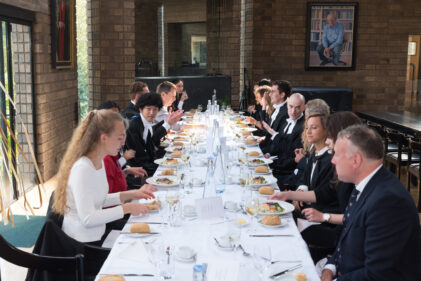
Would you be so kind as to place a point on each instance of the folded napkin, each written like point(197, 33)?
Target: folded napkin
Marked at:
point(302, 224)
point(221, 269)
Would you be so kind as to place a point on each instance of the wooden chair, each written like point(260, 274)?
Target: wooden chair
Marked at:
point(388, 146)
point(400, 158)
point(32, 261)
point(414, 169)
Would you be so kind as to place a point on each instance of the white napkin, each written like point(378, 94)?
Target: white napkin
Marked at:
point(302, 224)
point(221, 269)
point(135, 251)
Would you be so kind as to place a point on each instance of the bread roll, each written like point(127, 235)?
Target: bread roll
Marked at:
point(271, 220)
point(266, 190)
point(176, 154)
point(299, 276)
point(112, 277)
point(261, 169)
point(140, 228)
point(253, 153)
point(246, 133)
point(251, 142)
point(155, 205)
point(168, 172)
point(178, 143)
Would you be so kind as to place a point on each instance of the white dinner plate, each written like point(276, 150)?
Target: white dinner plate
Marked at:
point(283, 223)
point(248, 129)
point(288, 208)
point(153, 181)
point(171, 149)
point(164, 164)
point(268, 180)
point(259, 162)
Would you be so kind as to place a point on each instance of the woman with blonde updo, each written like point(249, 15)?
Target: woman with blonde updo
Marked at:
point(82, 189)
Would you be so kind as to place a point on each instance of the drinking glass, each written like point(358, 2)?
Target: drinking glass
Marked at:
point(252, 208)
point(173, 200)
point(166, 264)
point(262, 259)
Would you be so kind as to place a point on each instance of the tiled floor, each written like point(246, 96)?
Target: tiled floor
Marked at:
point(9, 271)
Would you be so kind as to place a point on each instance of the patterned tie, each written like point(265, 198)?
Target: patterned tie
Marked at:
point(351, 204)
point(347, 215)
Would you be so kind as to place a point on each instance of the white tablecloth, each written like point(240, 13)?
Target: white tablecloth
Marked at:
point(198, 234)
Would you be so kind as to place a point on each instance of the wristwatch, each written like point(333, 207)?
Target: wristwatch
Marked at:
point(326, 217)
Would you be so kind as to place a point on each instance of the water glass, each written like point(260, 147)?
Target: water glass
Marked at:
point(166, 265)
point(262, 259)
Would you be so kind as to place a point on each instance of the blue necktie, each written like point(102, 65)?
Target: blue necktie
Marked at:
point(347, 215)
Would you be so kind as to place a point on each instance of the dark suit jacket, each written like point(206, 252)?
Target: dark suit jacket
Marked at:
point(382, 240)
point(276, 125)
point(322, 176)
point(129, 111)
point(146, 152)
point(284, 145)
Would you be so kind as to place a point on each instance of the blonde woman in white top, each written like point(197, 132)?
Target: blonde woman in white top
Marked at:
point(82, 189)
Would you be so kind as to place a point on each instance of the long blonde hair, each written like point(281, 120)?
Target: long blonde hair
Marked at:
point(264, 91)
point(85, 139)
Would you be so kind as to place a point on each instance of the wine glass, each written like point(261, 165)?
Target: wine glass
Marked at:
point(173, 199)
point(252, 208)
point(262, 259)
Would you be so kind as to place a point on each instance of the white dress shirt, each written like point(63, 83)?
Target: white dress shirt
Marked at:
point(290, 125)
point(162, 116)
point(275, 113)
point(87, 195)
point(147, 127)
point(321, 152)
point(360, 187)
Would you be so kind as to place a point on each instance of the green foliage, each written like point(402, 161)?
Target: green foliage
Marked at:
point(82, 56)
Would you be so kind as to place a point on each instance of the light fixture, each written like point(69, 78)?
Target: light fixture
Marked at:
point(412, 48)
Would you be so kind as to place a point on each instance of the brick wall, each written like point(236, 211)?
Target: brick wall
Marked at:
point(146, 22)
point(223, 42)
point(382, 41)
point(54, 102)
point(111, 47)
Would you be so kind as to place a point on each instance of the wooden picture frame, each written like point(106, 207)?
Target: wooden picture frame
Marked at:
point(62, 33)
point(333, 24)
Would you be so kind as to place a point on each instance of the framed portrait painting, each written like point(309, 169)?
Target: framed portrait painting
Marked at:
point(62, 33)
point(331, 36)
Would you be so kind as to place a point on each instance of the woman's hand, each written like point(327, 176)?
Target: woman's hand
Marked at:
point(279, 196)
point(299, 154)
point(129, 154)
point(313, 215)
point(136, 172)
point(134, 208)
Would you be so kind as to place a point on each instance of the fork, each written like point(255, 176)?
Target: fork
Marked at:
point(244, 252)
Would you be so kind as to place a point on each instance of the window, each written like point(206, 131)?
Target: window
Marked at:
point(17, 172)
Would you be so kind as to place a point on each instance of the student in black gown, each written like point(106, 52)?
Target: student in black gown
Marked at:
point(329, 201)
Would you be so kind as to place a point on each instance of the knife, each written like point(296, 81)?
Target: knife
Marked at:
point(270, 235)
point(285, 271)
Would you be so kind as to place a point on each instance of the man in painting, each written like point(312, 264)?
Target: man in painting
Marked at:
point(333, 35)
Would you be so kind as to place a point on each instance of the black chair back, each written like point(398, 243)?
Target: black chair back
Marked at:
point(33, 261)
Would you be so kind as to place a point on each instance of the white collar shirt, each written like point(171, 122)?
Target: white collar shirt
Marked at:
point(362, 184)
point(148, 127)
point(275, 113)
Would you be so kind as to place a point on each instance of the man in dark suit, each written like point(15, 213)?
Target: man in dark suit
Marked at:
point(136, 90)
point(281, 90)
point(381, 235)
point(144, 134)
point(288, 138)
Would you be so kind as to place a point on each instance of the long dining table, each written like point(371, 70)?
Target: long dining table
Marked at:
point(132, 256)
